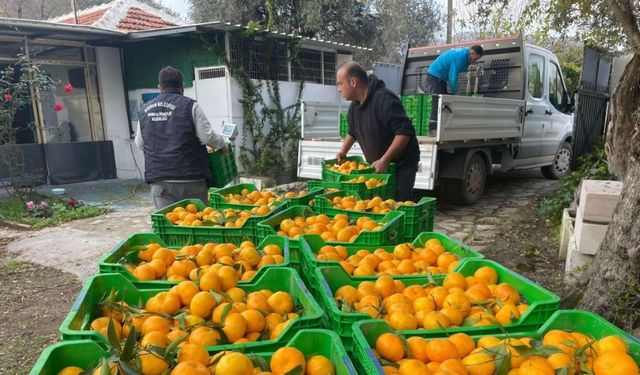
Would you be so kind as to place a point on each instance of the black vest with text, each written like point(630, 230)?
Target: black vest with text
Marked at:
point(172, 150)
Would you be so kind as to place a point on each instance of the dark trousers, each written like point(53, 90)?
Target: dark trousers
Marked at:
point(166, 193)
point(405, 178)
point(435, 87)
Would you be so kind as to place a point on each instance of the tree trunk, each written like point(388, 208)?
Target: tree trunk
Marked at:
point(613, 288)
point(624, 107)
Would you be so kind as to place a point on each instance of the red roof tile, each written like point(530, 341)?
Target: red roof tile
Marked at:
point(138, 19)
point(86, 19)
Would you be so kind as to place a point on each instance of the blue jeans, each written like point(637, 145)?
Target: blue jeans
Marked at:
point(435, 87)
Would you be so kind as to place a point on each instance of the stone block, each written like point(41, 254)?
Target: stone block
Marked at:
point(566, 231)
point(575, 263)
point(598, 200)
point(588, 235)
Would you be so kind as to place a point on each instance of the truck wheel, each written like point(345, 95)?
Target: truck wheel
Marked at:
point(470, 188)
point(561, 163)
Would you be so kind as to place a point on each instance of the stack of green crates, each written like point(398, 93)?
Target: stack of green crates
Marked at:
point(344, 125)
point(223, 167)
point(418, 109)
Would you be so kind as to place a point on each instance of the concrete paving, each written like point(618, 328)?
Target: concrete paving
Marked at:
point(76, 246)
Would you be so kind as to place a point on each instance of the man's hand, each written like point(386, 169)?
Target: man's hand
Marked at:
point(340, 156)
point(380, 166)
point(224, 150)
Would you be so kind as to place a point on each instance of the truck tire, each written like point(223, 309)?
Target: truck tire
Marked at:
point(470, 188)
point(561, 163)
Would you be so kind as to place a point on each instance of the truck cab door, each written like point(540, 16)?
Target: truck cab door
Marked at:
point(537, 116)
point(561, 119)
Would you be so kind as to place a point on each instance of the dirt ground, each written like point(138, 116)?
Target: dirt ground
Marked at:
point(33, 302)
point(34, 299)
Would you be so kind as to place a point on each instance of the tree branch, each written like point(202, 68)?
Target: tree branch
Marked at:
point(623, 11)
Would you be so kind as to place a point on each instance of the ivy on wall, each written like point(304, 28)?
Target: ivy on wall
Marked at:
point(270, 132)
point(143, 60)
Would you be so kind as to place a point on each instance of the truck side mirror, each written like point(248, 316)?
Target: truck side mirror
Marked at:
point(572, 102)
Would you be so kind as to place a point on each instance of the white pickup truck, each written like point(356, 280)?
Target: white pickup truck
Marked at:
point(523, 120)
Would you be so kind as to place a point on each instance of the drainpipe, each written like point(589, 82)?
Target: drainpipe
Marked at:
point(126, 93)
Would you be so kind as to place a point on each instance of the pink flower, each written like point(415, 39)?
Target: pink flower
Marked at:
point(8, 97)
point(68, 88)
point(31, 206)
point(43, 204)
point(58, 107)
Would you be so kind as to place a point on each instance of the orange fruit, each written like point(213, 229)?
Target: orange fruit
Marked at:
point(190, 368)
point(479, 363)
point(463, 342)
point(235, 326)
point(439, 350)
point(164, 302)
point(186, 290)
point(506, 293)
point(286, 359)
point(202, 304)
point(454, 279)
point(155, 323)
point(204, 336)
point(615, 362)
point(192, 352)
point(319, 365)
point(418, 348)
point(561, 360)
point(156, 338)
point(412, 367)
point(402, 321)
point(536, 366)
point(280, 302)
point(435, 320)
point(152, 364)
point(144, 272)
point(210, 281)
point(255, 321)
point(610, 344)
point(486, 275)
point(390, 347)
point(234, 363)
point(453, 366)
point(560, 339)
point(101, 325)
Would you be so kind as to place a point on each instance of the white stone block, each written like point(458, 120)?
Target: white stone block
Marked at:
point(575, 263)
point(566, 231)
point(588, 235)
point(598, 200)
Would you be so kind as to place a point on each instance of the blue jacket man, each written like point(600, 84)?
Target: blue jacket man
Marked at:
point(445, 69)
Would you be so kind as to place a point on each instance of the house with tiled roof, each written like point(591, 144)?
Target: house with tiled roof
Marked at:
point(107, 66)
point(121, 15)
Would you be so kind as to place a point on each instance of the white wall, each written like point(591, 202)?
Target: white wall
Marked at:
point(115, 113)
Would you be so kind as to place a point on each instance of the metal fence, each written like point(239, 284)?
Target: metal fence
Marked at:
point(592, 99)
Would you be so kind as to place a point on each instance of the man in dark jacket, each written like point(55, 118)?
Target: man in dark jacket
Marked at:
point(379, 123)
point(173, 133)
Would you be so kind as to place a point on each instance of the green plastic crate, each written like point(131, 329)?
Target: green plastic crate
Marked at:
point(418, 218)
point(344, 125)
point(387, 190)
point(542, 303)
point(310, 245)
point(175, 235)
point(76, 325)
point(331, 175)
point(111, 262)
point(367, 332)
point(391, 232)
point(85, 353)
point(216, 197)
point(223, 167)
point(425, 114)
point(81, 353)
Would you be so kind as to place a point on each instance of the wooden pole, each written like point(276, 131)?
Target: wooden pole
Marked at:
point(449, 20)
point(75, 10)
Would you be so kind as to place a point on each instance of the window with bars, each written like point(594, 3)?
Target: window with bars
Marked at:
point(317, 66)
point(252, 57)
point(309, 68)
point(329, 68)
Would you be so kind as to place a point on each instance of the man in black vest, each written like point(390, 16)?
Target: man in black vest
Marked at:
point(379, 123)
point(173, 133)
